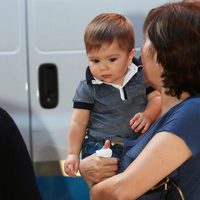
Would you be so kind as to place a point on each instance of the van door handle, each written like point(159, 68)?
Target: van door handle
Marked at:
point(48, 85)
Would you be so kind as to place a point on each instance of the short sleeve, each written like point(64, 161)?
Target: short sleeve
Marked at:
point(185, 123)
point(83, 98)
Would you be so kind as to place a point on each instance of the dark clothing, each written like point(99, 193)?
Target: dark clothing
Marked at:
point(183, 121)
point(17, 176)
point(110, 115)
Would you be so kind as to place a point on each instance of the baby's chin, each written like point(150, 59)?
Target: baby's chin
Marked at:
point(106, 81)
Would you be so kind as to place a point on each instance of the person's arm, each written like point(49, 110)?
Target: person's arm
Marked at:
point(95, 169)
point(163, 154)
point(143, 120)
point(75, 136)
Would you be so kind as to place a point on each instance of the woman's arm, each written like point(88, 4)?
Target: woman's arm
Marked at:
point(163, 154)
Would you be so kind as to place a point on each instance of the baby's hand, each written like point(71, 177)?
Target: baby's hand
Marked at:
point(71, 165)
point(140, 123)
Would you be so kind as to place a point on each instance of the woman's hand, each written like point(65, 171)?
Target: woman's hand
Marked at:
point(94, 169)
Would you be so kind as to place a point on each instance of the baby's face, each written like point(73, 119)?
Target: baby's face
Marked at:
point(109, 63)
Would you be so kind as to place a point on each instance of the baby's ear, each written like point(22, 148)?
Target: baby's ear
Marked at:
point(130, 56)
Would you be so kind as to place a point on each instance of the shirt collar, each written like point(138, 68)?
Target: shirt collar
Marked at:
point(89, 76)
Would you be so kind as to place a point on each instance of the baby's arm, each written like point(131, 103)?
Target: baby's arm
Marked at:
point(75, 137)
point(143, 120)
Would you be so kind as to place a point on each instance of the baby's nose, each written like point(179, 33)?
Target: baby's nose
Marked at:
point(104, 66)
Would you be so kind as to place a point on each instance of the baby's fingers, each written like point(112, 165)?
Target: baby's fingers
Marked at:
point(136, 123)
point(140, 126)
point(145, 128)
point(76, 167)
point(136, 117)
point(69, 170)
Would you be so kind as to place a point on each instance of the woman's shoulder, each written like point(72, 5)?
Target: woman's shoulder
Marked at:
point(189, 105)
point(193, 100)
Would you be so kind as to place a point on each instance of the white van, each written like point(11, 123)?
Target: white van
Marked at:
point(42, 60)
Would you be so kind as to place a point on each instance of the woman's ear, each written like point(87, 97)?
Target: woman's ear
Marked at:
point(158, 65)
point(130, 56)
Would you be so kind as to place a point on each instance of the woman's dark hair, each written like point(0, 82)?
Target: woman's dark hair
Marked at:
point(107, 27)
point(174, 30)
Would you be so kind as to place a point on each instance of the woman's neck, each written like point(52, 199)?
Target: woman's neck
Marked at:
point(169, 101)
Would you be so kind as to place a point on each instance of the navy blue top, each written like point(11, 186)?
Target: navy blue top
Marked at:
point(184, 121)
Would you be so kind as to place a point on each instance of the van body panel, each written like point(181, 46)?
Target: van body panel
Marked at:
point(50, 32)
point(14, 95)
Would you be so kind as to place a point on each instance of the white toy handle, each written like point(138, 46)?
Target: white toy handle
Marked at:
point(106, 153)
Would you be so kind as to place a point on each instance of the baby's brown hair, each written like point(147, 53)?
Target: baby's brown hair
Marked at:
point(107, 27)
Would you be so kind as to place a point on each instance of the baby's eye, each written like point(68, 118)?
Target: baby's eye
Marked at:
point(95, 61)
point(113, 59)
